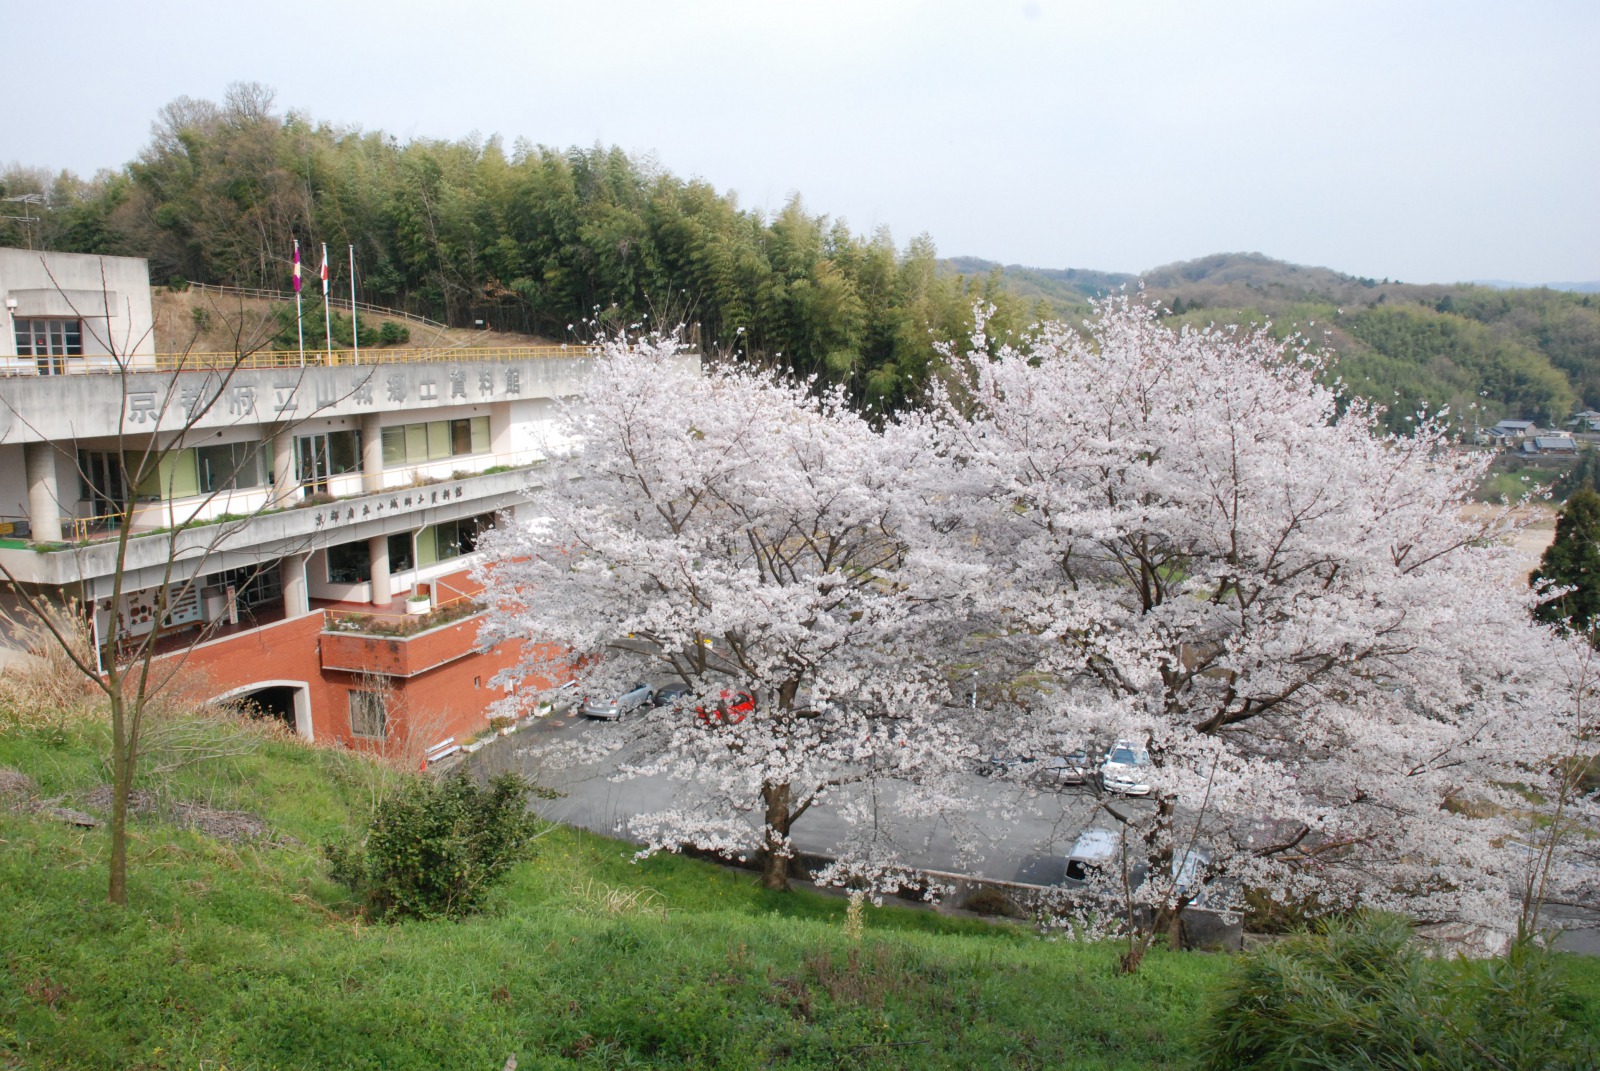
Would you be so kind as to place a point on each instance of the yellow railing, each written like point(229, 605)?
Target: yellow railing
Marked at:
point(184, 362)
point(381, 623)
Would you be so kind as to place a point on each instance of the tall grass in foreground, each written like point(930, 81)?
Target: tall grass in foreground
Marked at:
point(1358, 994)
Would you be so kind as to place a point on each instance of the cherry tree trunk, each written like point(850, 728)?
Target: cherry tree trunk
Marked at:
point(775, 853)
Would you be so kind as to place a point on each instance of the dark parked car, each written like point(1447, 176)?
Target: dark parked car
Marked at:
point(611, 708)
point(668, 694)
point(1072, 769)
point(1005, 765)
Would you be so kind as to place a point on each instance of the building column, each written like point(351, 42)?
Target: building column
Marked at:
point(44, 503)
point(371, 452)
point(378, 556)
point(284, 483)
point(296, 593)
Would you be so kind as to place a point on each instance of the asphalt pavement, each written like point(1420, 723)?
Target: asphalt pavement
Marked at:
point(1024, 832)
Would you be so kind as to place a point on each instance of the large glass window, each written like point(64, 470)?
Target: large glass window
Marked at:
point(401, 557)
point(344, 452)
point(367, 713)
point(230, 465)
point(394, 445)
point(349, 563)
point(103, 481)
point(252, 584)
point(325, 454)
point(49, 341)
point(413, 444)
point(451, 539)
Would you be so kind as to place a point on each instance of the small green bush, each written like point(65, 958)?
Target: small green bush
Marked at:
point(1358, 994)
point(393, 334)
point(435, 849)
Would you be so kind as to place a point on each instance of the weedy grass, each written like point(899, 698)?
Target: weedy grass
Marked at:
point(246, 956)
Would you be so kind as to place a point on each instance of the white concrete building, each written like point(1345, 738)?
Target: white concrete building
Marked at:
point(329, 488)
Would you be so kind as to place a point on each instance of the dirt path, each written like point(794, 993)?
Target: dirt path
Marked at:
point(1530, 541)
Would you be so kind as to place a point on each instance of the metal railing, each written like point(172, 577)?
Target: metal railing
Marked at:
point(301, 494)
point(333, 301)
point(209, 362)
point(399, 626)
point(182, 362)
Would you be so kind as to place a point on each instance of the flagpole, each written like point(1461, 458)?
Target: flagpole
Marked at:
point(355, 327)
point(299, 314)
point(327, 314)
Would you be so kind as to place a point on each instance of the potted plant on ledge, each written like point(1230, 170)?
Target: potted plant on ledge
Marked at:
point(419, 601)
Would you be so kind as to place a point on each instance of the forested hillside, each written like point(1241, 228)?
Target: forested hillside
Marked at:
point(565, 243)
point(1531, 353)
point(530, 239)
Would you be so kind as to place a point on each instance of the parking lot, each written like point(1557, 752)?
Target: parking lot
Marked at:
point(1025, 831)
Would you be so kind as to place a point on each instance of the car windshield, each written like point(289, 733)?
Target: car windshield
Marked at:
point(1125, 756)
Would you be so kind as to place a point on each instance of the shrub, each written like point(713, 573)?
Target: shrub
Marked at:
point(435, 849)
point(1359, 994)
point(393, 334)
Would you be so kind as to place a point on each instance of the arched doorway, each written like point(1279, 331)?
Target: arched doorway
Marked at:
point(286, 701)
point(275, 702)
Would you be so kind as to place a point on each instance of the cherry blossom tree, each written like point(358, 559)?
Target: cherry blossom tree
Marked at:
point(1202, 548)
point(739, 533)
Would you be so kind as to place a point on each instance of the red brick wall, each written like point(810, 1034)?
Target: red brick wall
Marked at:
point(450, 700)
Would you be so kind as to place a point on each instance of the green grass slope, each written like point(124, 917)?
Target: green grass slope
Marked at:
point(242, 955)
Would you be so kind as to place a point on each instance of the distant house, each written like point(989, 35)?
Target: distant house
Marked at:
point(1508, 431)
point(1549, 444)
point(1588, 420)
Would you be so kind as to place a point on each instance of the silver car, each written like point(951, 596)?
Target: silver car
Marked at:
point(1126, 769)
point(611, 708)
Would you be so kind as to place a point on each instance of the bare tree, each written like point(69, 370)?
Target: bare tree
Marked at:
point(130, 668)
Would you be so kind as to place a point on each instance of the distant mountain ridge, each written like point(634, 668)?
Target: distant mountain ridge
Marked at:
point(1483, 350)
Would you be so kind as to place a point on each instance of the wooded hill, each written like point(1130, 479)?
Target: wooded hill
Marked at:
point(1531, 353)
point(566, 243)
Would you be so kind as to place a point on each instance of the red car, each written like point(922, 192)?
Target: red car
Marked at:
point(730, 709)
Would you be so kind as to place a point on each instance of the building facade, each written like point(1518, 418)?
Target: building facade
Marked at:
point(309, 531)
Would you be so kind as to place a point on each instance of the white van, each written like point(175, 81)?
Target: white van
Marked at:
point(1095, 852)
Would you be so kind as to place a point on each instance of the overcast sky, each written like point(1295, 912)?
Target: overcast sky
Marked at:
point(1429, 142)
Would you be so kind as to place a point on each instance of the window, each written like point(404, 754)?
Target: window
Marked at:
point(102, 481)
point(412, 444)
point(367, 713)
point(394, 445)
point(50, 341)
point(344, 452)
point(252, 584)
point(451, 539)
point(326, 454)
point(231, 465)
point(401, 557)
point(349, 563)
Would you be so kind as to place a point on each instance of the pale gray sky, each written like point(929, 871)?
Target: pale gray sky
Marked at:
point(1424, 141)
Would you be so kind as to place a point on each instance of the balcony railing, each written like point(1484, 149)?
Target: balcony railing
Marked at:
point(79, 530)
point(102, 364)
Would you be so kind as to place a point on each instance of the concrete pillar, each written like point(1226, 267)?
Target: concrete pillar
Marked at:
point(296, 594)
point(44, 503)
point(372, 453)
point(284, 483)
point(378, 552)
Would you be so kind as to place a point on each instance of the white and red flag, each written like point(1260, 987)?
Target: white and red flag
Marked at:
point(297, 265)
point(324, 270)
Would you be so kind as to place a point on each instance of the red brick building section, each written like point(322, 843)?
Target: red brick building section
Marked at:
point(434, 684)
